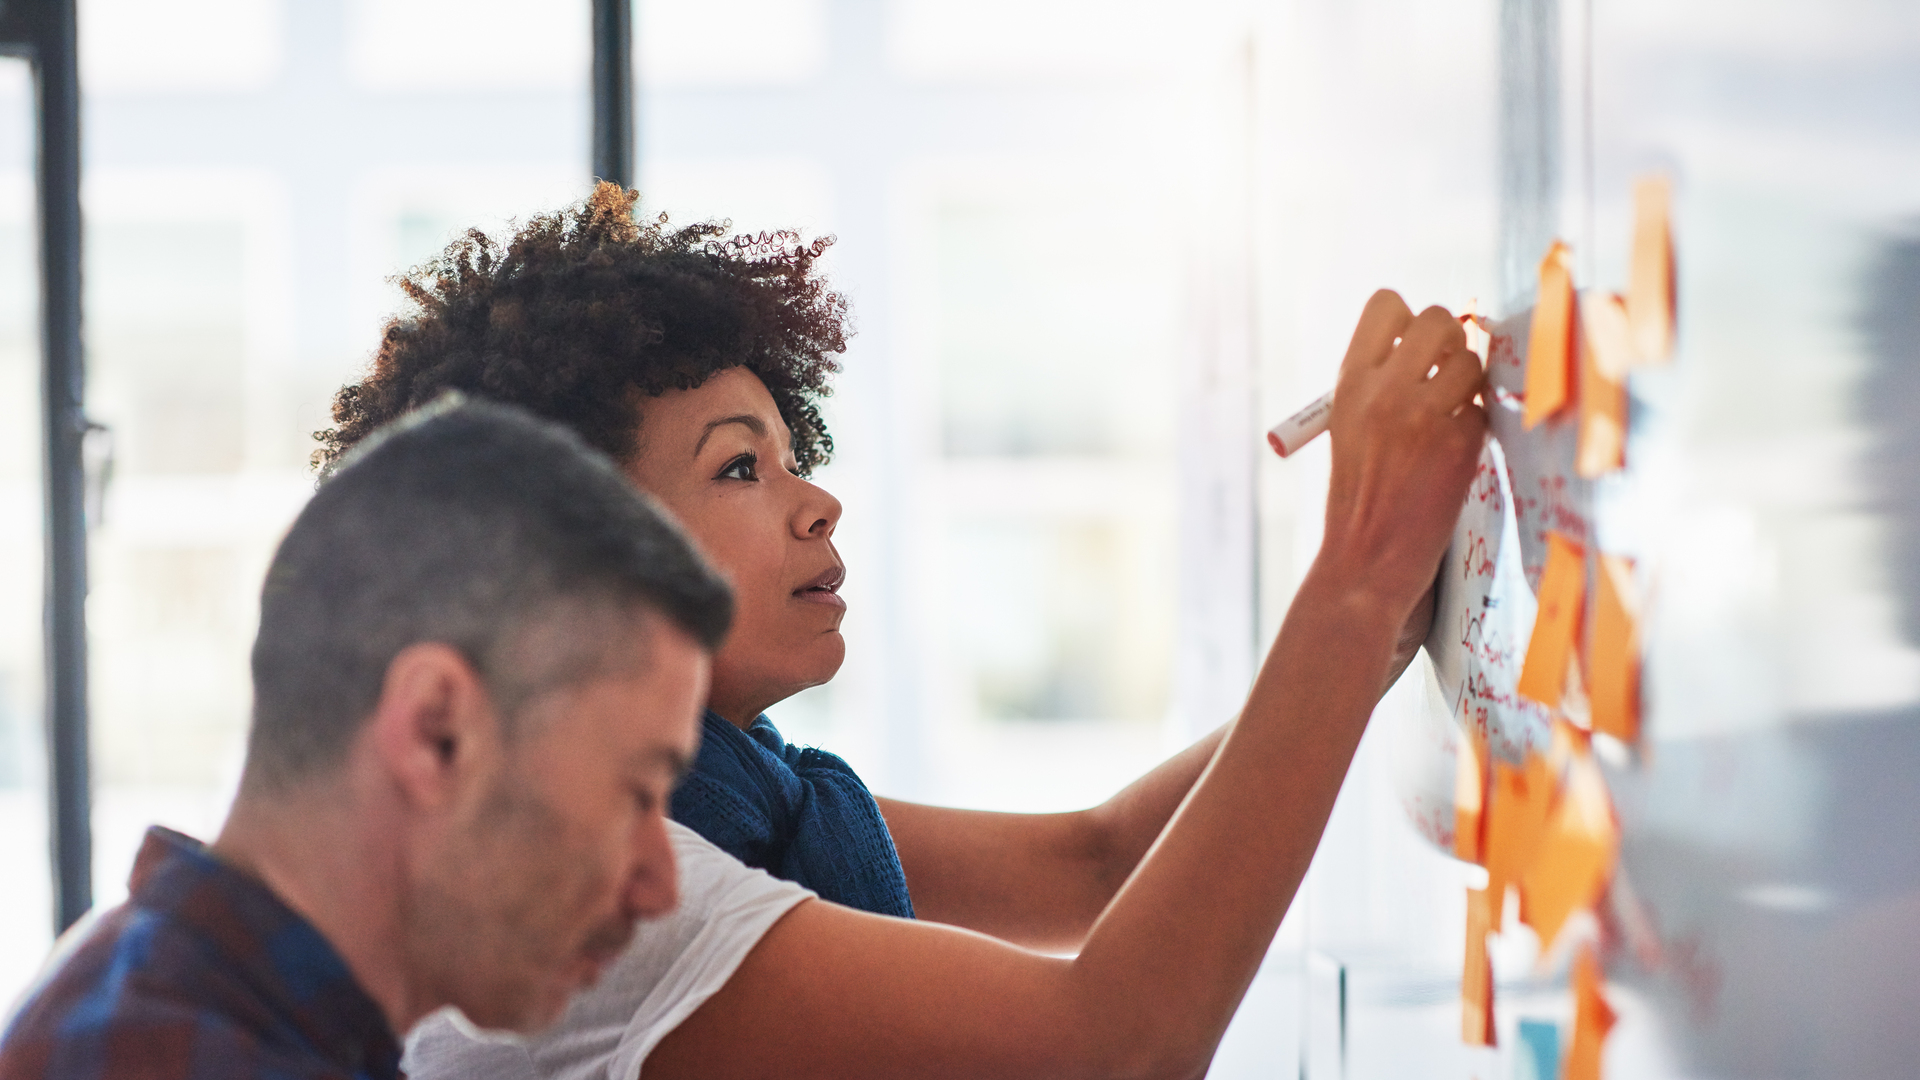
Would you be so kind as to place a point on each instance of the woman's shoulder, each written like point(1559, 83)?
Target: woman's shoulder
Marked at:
point(672, 965)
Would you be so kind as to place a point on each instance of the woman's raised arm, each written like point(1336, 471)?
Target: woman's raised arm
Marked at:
point(831, 992)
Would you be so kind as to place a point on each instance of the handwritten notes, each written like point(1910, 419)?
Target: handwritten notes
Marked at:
point(1476, 980)
point(1426, 748)
point(1551, 337)
point(1563, 588)
point(1606, 352)
point(1549, 494)
point(1482, 616)
point(1613, 652)
point(1650, 285)
point(1592, 1019)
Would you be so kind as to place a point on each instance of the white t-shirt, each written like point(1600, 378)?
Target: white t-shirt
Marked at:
point(673, 965)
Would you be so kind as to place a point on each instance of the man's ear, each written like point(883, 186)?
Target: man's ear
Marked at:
point(434, 726)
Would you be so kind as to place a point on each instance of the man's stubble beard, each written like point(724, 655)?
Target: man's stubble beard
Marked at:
point(483, 921)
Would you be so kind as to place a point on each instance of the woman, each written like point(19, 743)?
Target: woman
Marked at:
point(696, 361)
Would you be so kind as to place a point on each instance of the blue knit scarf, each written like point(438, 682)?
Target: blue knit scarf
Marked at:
point(796, 812)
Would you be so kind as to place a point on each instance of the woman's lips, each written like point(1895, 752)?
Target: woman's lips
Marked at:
point(824, 588)
point(821, 596)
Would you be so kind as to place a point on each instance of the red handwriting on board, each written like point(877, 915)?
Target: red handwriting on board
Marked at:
point(1486, 485)
point(1487, 688)
point(1562, 515)
point(1477, 561)
point(1551, 507)
point(1501, 353)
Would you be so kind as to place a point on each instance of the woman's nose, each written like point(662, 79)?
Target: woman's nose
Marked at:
point(817, 514)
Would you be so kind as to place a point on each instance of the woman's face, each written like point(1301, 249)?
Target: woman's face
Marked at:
point(718, 457)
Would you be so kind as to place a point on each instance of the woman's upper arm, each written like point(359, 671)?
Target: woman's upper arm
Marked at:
point(1039, 880)
point(1033, 879)
point(833, 992)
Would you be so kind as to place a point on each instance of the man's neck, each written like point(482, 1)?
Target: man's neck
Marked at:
point(338, 866)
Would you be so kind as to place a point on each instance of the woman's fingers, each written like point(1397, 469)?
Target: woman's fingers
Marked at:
point(1459, 377)
point(1471, 421)
point(1426, 341)
point(1385, 318)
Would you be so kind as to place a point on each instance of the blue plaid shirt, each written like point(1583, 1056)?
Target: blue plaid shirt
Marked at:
point(203, 972)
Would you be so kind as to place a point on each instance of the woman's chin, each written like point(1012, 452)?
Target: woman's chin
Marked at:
point(828, 654)
point(801, 668)
point(819, 663)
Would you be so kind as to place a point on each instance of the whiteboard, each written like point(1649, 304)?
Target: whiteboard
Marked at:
point(1767, 919)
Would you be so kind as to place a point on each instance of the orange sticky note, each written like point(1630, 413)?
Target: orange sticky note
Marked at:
point(1592, 1019)
point(1613, 651)
point(1576, 852)
point(1550, 338)
point(1476, 981)
point(1470, 798)
point(1650, 284)
point(1517, 810)
point(1563, 593)
point(1606, 351)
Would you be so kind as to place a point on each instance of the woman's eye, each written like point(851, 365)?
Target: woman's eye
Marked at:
point(741, 468)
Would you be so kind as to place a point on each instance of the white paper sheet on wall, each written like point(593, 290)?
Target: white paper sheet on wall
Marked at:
point(1483, 615)
point(1526, 487)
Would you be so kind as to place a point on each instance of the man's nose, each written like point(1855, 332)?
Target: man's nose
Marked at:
point(653, 889)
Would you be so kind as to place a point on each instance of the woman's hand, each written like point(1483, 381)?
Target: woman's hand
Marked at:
point(1406, 435)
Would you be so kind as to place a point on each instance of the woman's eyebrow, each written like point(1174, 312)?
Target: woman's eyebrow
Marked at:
point(747, 420)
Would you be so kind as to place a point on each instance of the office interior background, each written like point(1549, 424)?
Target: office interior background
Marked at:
point(1092, 248)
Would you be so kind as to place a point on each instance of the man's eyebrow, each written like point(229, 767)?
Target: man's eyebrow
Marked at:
point(677, 762)
point(747, 420)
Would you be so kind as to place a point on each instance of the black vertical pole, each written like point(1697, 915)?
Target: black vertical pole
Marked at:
point(63, 388)
point(613, 91)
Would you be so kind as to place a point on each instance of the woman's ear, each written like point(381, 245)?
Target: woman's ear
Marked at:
point(434, 728)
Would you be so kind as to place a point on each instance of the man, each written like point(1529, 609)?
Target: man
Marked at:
point(477, 679)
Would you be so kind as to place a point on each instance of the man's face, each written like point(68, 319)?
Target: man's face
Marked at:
point(542, 875)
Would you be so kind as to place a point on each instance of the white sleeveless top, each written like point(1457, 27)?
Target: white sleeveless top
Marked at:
point(673, 966)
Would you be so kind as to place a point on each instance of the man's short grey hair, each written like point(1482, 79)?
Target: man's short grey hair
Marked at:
point(469, 524)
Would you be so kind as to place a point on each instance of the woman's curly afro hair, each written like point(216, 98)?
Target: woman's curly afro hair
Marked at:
point(585, 312)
